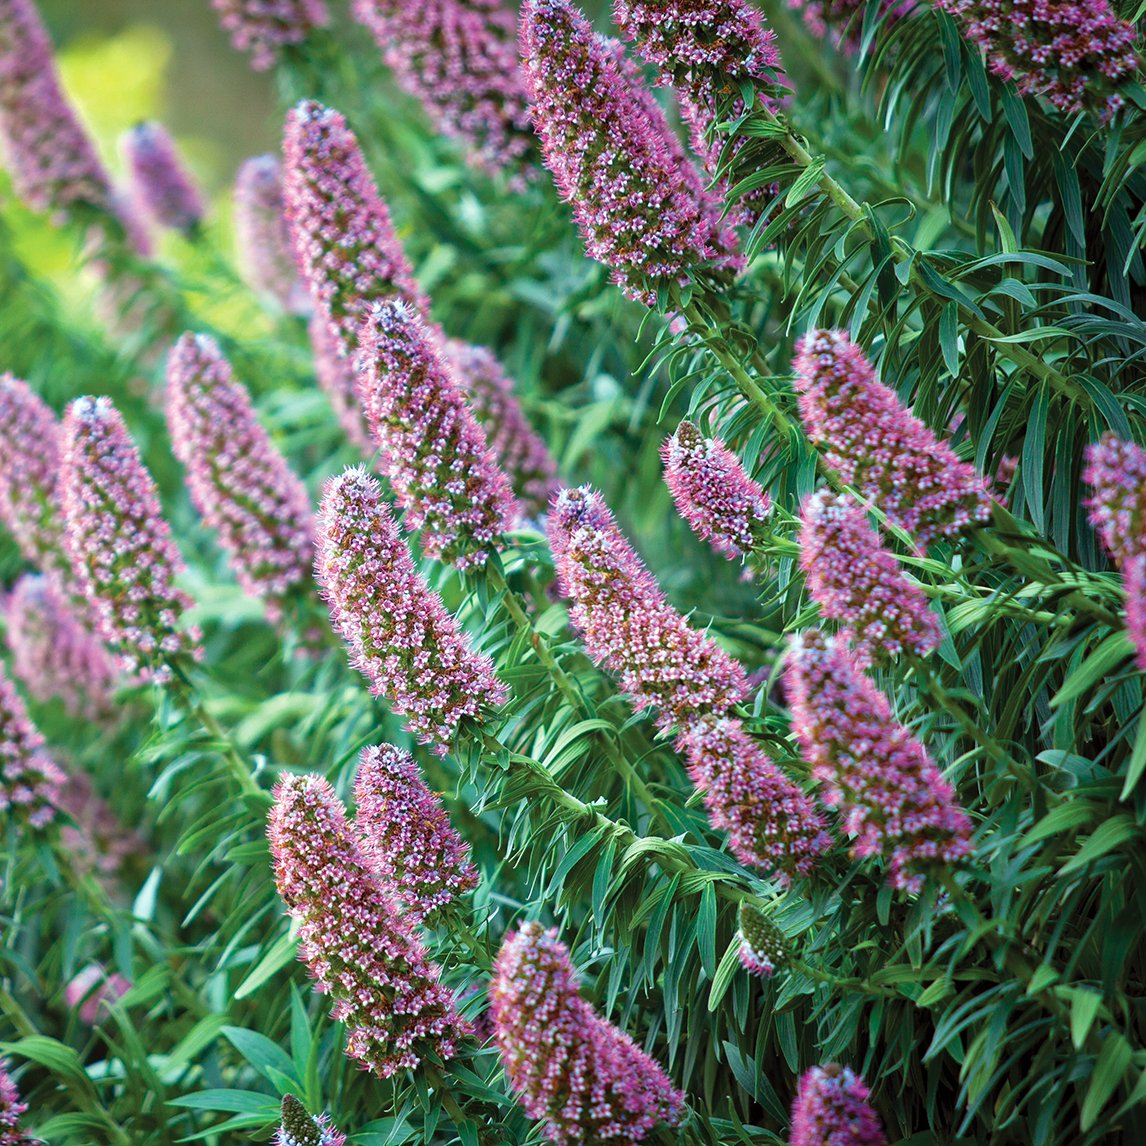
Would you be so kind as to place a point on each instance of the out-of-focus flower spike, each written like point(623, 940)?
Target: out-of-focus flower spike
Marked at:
point(92, 990)
point(878, 447)
point(763, 947)
point(353, 938)
point(265, 27)
point(432, 449)
point(12, 1110)
point(397, 631)
point(298, 1128)
point(586, 1078)
point(1134, 582)
point(238, 481)
point(894, 800)
point(336, 379)
point(121, 548)
point(1117, 471)
point(159, 179)
point(832, 1107)
point(29, 779)
point(98, 842)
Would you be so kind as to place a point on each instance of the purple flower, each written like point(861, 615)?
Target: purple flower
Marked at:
point(98, 841)
point(523, 454)
point(878, 447)
point(352, 936)
point(1073, 52)
point(713, 493)
point(55, 654)
point(763, 948)
point(29, 779)
point(121, 548)
point(1117, 471)
point(637, 214)
point(299, 1129)
point(771, 823)
point(458, 58)
point(11, 1111)
point(406, 834)
point(238, 481)
point(626, 622)
point(337, 381)
point(397, 631)
point(855, 579)
point(432, 450)
point(92, 990)
point(344, 243)
point(566, 1064)
point(159, 179)
point(1134, 582)
point(894, 800)
point(831, 1109)
point(265, 27)
point(263, 238)
point(53, 163)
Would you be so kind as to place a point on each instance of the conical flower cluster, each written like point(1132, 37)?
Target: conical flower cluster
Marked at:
point(299, 1129)
point(588, 1080)
point(265, 257)
point(344, 243)
point(238, 481)
point(53, 163)
point(353, 938)
point(264, 27)
point(831, 1107)
point(406, 834)
point(894, 800)
point(713, 493)
point(458, 58)
point(54, 654)
point(855, 579)
point(159, 179)
point(523, 454)
point(636, 213)
point(432, 450)
point(763, 948)
point(29, 779)
point(628, 625)
point(397, 631)
point(121, 548)
point(11, 1111)
point(337, 380)
point(878, 447)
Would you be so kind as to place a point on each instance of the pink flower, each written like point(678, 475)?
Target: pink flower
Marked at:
point(458, 58)
point(266, 259)
point(1134, 582)
point(98, 842)
point(522, 453)
point(299, 1129)
point(831, 1107)
point(265, 27)
point(238, 481)
point(894, 800)
point(636, 213)
point(878, 447)
point(55, 655)
point(344, 243)
point(92, 990)
point(29, 779)
point(1117, 470)
point(11, 1111)
point(566, 1064)
point(159, 179)
point(53, 163)
point(397, 631)
point(406, 834)
point(352, 937)
point(763, 948)
point(337, 381)
point(771, 823)
point(856, 580)
point(121, 548)
point(626, 622)
point(432, 450)
point(713, 493)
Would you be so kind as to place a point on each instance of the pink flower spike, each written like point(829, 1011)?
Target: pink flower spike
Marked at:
point(344, 242)
point(11, 1111)
point(238, 480)
point(713, 493)
point(159, 179)
point(30, 780)
point(588, 1080)
point(763, 948)
point(1117, 471)
point(855, 579)
point(626, 622)
point(432, 450)
point(266, 259)
point(337, 381)
point(353, 939)
point(879, 448)
point(397, 631)
point(265, 27)
point(832, 1107)
point(1134, 582)
point(121, 548)
point(894, 800)
point(91, 991)
point(299, 1129)
point(406, 834)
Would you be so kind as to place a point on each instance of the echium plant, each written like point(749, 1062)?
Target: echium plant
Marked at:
point(29, 779)
point(265, 28)
point(159, 179)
